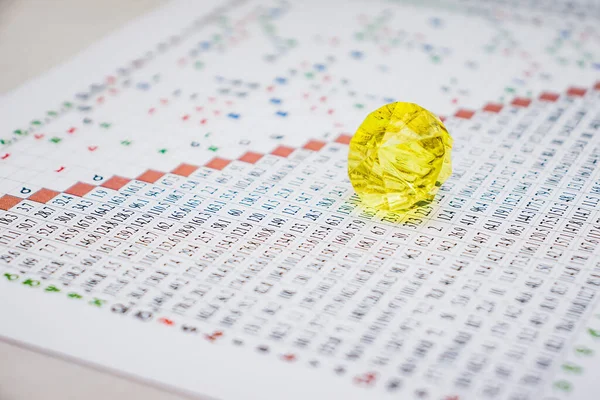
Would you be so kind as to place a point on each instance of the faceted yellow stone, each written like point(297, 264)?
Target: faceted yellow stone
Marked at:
point(399, 157)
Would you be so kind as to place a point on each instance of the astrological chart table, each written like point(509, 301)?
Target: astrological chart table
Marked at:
point(175, 203)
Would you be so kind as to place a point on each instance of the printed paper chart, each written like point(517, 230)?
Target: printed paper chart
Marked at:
point(175, 203)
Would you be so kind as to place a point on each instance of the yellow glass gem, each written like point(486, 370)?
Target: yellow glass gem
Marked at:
point(399, 157)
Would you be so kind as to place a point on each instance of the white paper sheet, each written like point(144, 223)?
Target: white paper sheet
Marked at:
point(175, 203)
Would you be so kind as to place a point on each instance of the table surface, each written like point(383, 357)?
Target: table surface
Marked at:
point(68, 26)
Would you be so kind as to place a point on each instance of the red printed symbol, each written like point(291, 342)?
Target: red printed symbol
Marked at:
point(166, 321)
point(521, 102)
point(344, 139)
point(92, 148)
point(576, 91)
point(464, 114)
point(215, 335)
point(38, 135)
point(289, 357)
point(72, 130)
point(493, 107)
point(366, 379)
point(60, 169)
point(5, 156)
